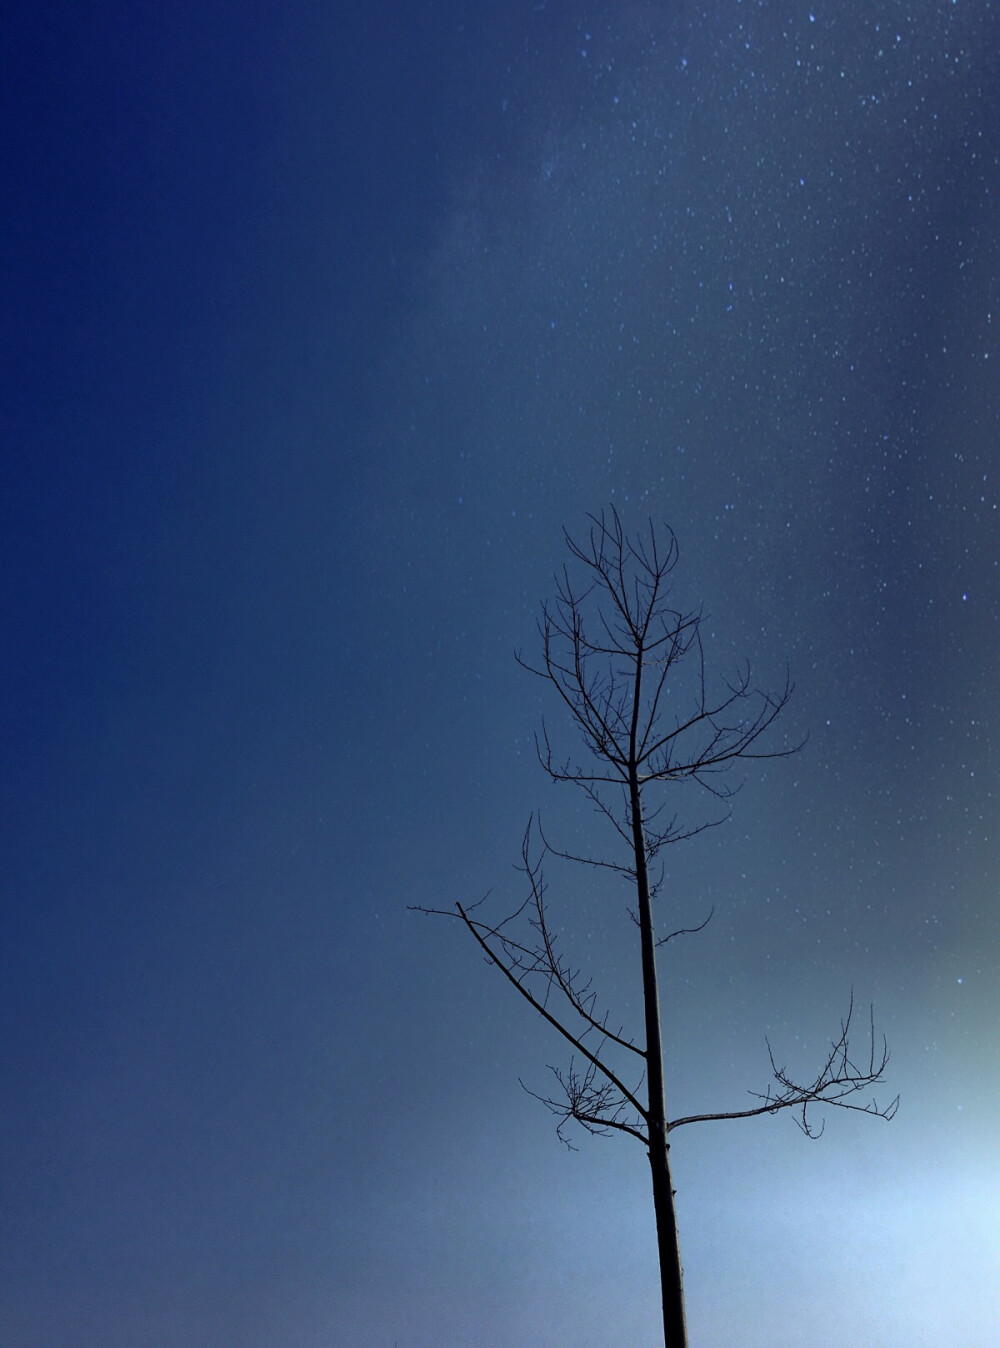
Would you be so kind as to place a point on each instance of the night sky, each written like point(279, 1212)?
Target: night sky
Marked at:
point(322, 320)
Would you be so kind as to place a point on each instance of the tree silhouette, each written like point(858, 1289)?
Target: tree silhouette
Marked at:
point(629, 668)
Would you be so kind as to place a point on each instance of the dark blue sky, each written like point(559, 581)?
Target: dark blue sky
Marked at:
point(322, 321)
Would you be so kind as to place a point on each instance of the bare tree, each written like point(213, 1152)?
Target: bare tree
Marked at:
point(630, 670)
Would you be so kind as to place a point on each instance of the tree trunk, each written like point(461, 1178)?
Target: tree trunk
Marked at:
point(671, 1277)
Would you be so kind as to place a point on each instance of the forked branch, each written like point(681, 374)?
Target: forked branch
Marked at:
point(838, 1081)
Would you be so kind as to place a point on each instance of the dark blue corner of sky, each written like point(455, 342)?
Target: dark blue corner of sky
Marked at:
point(206, 213)
point(208, 216)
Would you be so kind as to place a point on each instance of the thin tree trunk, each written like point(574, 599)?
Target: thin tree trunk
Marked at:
point(671, 1277)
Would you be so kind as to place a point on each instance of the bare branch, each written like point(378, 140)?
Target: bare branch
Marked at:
point(575, 1040)
point(621, 869)
point(839, 1079)
point(593, 1104)
point(687, 931)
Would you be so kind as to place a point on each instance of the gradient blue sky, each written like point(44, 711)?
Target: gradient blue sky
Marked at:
point(322, 321)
